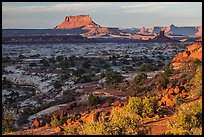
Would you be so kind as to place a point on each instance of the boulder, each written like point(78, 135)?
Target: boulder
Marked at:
point(176, 90)
point(106, 105)
point(36, 123)
point(47, 125)
point(58, 129)
point(117, 103)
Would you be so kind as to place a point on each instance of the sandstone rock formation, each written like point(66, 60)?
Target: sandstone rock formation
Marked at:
point(85, 23)
point(190, 54)
point(199, 33)
point(76, 22)
point(162, 38)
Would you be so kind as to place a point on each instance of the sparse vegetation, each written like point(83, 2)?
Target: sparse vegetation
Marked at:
point(8, 121)
point(93, 100)
point(188, 120)
point(140, 78)
point(55, 122)
point(57, 84)
point(143, 107)
point(196, 90)
point(113, 77)
point(163, 80)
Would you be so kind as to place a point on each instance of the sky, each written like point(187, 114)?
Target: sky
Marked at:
point(47, 15)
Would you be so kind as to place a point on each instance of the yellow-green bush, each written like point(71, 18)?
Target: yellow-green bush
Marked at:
point(55, 122)
point(127, 123)
point(143, 107)
point(95, 128)
point(188, 120)
point(70, 130)
point(196, 90)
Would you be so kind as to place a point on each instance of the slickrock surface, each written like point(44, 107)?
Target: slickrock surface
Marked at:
point(191, 53)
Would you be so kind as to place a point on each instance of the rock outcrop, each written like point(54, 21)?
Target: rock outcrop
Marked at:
point(77, 21)
point(191, 53)
point(199, 33)
point(162, 38)
point(85, 23)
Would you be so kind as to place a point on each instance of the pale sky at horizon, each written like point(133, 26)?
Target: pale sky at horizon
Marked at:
point(47, 15)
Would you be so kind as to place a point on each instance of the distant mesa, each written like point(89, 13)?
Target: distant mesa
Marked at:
point(76, 22)
point(85, 23)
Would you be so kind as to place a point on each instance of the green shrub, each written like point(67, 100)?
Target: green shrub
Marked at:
point(44, 62)
point(135, 105)
point(188, 120)
point(113, 77)
point(147, 107)
point(143, 107)
point(23, 118)
point(93, 100)
point(146, 67)
point(33, 64)
point(163, 80)
point(95, 128)
point(140, 78)
point(55, 122)
point(8, 121)
point(196, 90)
point(197, 62)
point(124, 122)
point(59, 58)
point(70, 130)
point(69, 92)
point(57, 84)
point(167, 70)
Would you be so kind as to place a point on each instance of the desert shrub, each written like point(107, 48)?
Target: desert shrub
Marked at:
point(124, 122)
point(65, 74)
point(63, 119)
point(113, 77)
point(6, 83)
point(8, 123)
point(33, 64)
point(59, 58)
point(147, 107)
point(23, 117)
point(128, 68)
point(197, 62)
point(93, 100)
point(55, 122)
point(196, 90)
point(21, 56)
point(188, 120)
point(163, 80)
point(146, 67)
point(95, 128)
point(44, 62)
point(69, 92)
point(86, 64)
point(140, 78)
point(6, 59)
point(57, 84)
point(144, 107)
point(167, 70)
point(135, 105)
point(70, 130)
point(79, 72)
point(52, 60)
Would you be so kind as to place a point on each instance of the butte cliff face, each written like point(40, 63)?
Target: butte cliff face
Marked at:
point(85, 23)
point(77, 21)
point(162, 38)
point(191, 53)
